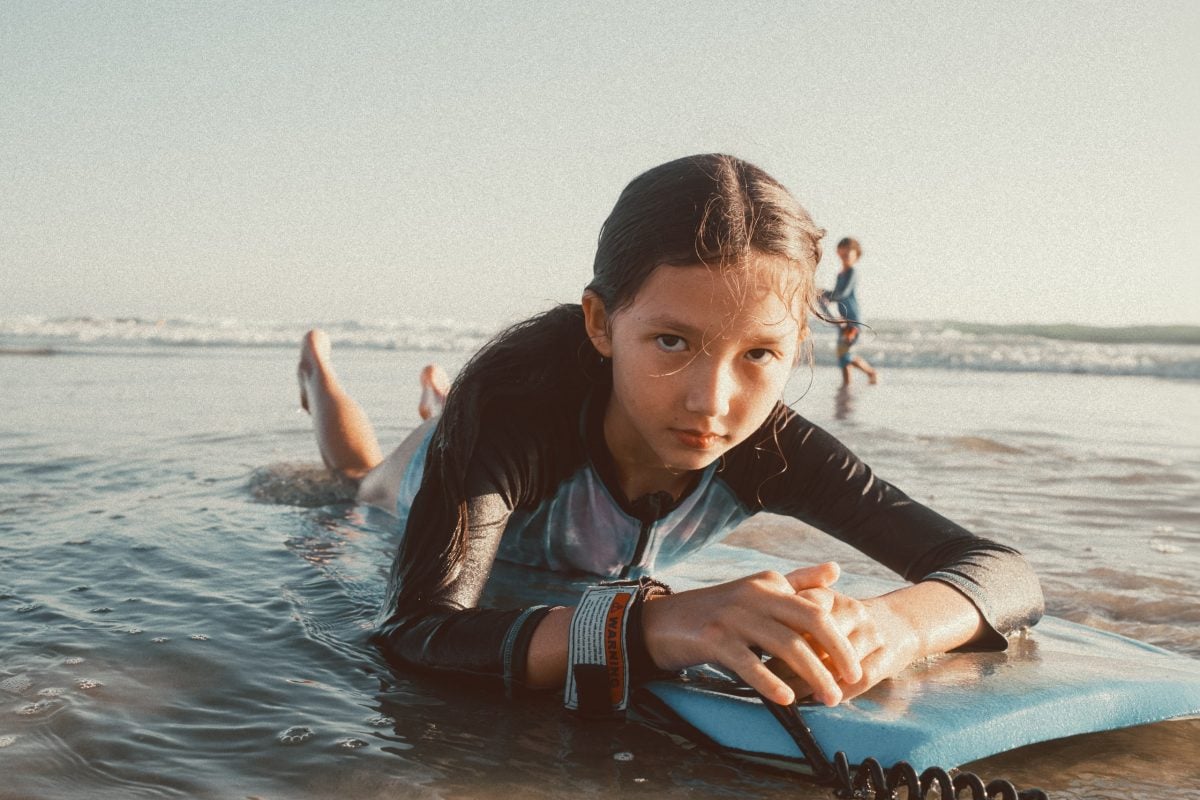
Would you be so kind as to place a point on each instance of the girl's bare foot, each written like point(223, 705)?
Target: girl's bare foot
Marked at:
point(314, 360)
point(434, 388)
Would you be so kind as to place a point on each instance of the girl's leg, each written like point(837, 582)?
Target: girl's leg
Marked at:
point(381, 486)
point(344, 434)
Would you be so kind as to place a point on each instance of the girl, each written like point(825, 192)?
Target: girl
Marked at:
point(622, 434)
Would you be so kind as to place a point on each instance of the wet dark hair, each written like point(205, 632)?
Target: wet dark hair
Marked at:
point(713, 209)
point(708, 209)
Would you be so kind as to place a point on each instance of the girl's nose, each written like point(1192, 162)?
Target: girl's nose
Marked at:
point(710, 387)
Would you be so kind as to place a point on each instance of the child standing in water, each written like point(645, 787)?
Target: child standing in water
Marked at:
point(850, 324)
point(620, 435)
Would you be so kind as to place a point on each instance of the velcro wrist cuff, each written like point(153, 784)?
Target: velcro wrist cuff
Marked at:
point(607, 646)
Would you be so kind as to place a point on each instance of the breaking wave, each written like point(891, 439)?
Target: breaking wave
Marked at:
point(1167, 351)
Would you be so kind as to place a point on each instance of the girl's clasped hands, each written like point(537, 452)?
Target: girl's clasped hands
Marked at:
point(822, 643)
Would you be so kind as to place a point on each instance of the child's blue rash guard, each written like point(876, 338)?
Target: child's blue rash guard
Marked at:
point(844, 294)
point(544, 493)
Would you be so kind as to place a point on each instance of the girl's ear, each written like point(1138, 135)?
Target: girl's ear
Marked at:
point(595, 319)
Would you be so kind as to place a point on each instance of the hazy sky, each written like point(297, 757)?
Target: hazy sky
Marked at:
point(1000, 162)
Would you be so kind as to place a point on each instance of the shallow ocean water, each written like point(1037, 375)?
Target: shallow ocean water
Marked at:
point(164, 632)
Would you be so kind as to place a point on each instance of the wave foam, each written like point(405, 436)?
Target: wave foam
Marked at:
point(1160, 351)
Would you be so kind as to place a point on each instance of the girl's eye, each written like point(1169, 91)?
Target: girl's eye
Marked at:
point(670, 343)
point(760, 355)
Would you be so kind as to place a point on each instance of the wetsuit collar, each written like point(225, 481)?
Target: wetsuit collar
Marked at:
point(591, 429)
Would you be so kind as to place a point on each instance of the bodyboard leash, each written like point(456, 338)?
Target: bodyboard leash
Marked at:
point(871, 781)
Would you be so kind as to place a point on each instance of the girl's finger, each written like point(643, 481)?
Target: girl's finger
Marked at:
point(750, 668)
point(782, 671)
point(783, 643)
point(873, 664)
point(805, 617)
point(817, 576)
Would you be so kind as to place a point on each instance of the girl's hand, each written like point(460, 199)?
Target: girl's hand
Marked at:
point(884, 640)
point(796, 618)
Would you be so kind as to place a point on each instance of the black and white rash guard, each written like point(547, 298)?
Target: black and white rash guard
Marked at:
point(543, 492)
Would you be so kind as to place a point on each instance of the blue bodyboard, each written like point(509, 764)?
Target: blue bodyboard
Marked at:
point(1058, 679)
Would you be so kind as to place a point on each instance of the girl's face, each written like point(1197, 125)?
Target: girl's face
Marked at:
point(696, 368)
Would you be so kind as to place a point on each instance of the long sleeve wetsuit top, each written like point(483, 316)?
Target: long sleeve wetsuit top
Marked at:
point(543, 492)
point(843, 293)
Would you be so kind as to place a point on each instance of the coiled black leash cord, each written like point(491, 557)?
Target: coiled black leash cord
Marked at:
point(872, 782)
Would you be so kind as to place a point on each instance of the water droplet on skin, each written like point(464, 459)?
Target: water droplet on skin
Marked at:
point(623, 756)
point(296, 735)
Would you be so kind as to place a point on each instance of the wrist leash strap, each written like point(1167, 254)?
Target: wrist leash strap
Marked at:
point(607, 653)
point(598, 659)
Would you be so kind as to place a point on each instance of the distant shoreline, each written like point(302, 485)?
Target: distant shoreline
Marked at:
point(28, 351)
point(934, 342)
point(1095, 334)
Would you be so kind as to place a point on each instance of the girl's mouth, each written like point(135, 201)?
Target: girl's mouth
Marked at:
point(697, 440)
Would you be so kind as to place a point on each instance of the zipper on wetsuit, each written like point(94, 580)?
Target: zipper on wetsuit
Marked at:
point(647, 508)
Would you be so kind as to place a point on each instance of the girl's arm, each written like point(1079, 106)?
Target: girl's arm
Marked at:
point(813, 477)
point(825, 644)
point(434, 622)
point(966, 590)
point(725, 624)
